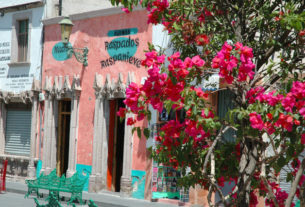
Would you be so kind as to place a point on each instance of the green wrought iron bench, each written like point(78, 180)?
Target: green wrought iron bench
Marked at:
point(90, 204)
point(42, 182)
point(52, 202)
point(55, 184)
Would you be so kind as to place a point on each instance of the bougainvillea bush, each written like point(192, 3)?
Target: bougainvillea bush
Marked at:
point(257, 48)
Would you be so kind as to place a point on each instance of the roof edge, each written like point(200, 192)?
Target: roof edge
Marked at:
point(28, 5)
point(89, 14)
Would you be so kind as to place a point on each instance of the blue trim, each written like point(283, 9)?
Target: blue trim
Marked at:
point(138, 183)
point(80, 168)
point(38, 168)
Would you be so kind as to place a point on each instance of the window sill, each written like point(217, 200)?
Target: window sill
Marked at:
point(19, 64)
point(16, 157)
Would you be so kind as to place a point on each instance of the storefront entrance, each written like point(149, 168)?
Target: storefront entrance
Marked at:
point(64, 115)
point(115, 146)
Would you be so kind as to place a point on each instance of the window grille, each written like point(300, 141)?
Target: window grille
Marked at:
point(22, 36)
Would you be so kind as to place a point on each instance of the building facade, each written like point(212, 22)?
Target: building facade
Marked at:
point(21, 36)
point(20, 61)
point(81, 128)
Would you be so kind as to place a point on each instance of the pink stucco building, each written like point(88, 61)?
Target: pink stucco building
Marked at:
point(81, 128)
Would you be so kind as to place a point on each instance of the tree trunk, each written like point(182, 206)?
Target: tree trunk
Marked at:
point(247, 167)
point(302, 195)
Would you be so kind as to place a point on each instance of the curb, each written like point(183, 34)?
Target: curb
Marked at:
point(101, 199)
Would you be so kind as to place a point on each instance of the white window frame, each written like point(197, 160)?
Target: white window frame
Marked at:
point(14, 45)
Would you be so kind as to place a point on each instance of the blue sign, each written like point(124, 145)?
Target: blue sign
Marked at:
point(60, 52)
point(122, 48)
point(122, 32)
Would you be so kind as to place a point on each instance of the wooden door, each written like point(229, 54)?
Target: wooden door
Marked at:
point(64, 115)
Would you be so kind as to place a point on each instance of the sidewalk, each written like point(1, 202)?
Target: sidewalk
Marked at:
point(104, 199)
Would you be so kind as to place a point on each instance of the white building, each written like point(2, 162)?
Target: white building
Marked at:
point(20, 61)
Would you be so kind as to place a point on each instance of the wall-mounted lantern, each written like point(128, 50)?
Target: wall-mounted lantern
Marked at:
point(66, 28)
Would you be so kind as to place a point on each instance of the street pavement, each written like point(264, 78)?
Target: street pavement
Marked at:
point(15, 200)
point(15, 191)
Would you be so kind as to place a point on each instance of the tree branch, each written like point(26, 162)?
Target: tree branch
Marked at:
point(295, 184)
point(207, 157)
point(263, 177)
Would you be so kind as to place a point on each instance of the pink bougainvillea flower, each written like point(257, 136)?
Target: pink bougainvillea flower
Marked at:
point(140, 117)
point(285, 121)
point(221, 181)
point(269, 127)
point(256, 121)
point(130, 121)
point(253, 93)
point(210, 114)
point(122, 112)
point(196, 60)
point(188, 62)
point(200, 93)
point(302, 111)
point(201, 18)
point(202, 39)
point(303, 139)
point(238, 45)
point(126, 10)
point(288, 102)
point(270, 116)
point(160, 59)
point(245, 53)
point(253, 199)
point(153, 16)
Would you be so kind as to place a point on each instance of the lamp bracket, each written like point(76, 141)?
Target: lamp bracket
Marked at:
point(81, 56)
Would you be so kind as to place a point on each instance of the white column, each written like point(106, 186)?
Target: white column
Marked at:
point(53, 134)
point(31, 168)
point(104, 136)
point(46, 135)
point(126, 188)
point(2, 127)
point(95, 148)
point(99, 159)
point(73, 134)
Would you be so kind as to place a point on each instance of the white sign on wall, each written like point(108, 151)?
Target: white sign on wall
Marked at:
point(5, 53)
point(18, 77)
point(212, 84)
point(12, 79)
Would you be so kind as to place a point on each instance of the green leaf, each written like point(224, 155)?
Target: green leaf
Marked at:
point(281, 162)
point(139, 132)
point(240, 116)
point(149, 115)
point(146, 133)
point(289, 177)
point(133, 129)
point(206, 112)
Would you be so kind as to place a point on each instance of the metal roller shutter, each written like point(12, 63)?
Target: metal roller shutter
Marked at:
point(283, 174)
point(225, 103)
point(18, 132)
